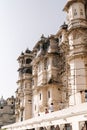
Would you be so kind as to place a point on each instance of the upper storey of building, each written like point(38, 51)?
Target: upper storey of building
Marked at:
point(25, 61)
point(25, 68)
point(76, 13)
point(46, 45)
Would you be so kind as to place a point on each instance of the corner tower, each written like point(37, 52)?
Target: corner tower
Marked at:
point(77, 58)
point(24, 91)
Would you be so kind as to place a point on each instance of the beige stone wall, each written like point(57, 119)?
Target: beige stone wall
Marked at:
point(7, 111)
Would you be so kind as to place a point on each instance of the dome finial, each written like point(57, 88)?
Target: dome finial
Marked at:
point(27, 50)
point(22, 53)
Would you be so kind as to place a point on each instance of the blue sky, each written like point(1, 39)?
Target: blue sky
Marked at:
point(22, 22)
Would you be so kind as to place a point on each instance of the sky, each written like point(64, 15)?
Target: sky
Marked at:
point(22, 22)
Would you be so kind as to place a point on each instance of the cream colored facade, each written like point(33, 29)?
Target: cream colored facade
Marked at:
point(7, 111)
point(52, 92)
point(23, 107)
point(77, 57)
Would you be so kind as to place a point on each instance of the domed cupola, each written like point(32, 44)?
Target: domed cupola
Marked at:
point(25, 60)
point(27, 51)
point(64, 26)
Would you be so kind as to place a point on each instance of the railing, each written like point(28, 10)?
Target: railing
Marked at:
point(71, 115)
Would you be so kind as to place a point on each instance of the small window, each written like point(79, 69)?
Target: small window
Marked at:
point(41, 128)
point(38, 47)
point(85, 126)
point(75, 12)
point(35, 107)
point(22, 61)
point(22, 115)
point(46, 64)
point(28, 71)
point(12, 103)
point(51, 107)
point(85, 95)
point(57, 40)
point(57, 127)
point(28, 61)
point(1, 107)
point(40, 96)
point(81, 12)
point(68, 127)
point(60, 39)
point(39, 67)
point(48, 94)
point(12, 107)
point(52, 127)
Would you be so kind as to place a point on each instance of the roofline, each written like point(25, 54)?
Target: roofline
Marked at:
point(71, 2)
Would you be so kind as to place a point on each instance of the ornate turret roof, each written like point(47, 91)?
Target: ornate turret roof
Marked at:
point(27, 51)
point(64, 26)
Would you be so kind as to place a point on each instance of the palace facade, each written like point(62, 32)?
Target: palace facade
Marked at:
point(52, 84)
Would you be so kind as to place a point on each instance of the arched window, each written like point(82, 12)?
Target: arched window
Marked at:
point(52, 127)
point(28, 61)
point(57, 127)
point(27, 70)
point(68, 127)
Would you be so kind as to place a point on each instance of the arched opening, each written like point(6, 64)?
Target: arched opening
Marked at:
point(28, 61)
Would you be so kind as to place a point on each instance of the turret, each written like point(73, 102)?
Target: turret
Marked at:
point(24, 91)
point(76, 13)
point(77, 57)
